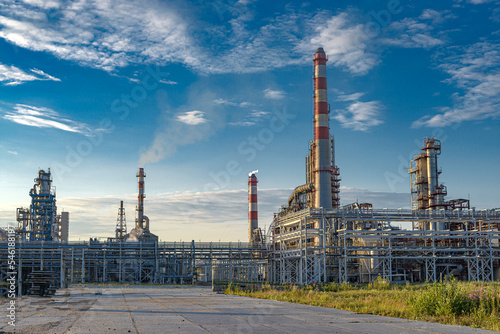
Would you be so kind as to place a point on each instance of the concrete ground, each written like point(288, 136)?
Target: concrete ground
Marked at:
point(180, 309)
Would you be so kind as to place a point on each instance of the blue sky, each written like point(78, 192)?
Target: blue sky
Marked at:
point(192, 91)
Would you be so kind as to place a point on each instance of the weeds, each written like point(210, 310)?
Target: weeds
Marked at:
point(452, 302)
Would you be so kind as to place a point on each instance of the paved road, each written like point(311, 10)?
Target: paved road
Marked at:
point(177, 309)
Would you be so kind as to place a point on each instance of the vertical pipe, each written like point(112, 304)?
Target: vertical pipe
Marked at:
point(20, 276)
point(119, 232)
point(322, 183)
point(253, 222)
point(83, 265)
point(432, 176)
point(62, 270)
point(72, 263)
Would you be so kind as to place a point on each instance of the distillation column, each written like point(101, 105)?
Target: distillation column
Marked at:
point(322, 151)
point(43, 210)
point(436, 195)
point(253, 216)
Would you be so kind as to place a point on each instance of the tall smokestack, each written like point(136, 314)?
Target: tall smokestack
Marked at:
point(253, 220)
point(322, 171)
point(140, 199)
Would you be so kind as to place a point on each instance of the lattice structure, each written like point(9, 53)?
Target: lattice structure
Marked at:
point(359, 244)
point(121, 224)
point(134, 262)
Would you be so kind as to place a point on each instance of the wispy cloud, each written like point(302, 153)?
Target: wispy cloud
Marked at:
point(274, 94)
point(114, 34)
point(168, 82)
point(243, 104)
point(475, 71)
point(358, 115)
point(436, 17)
point(174, 132)
point(12, 76)
point(478, 2)
point(41, 117)
point(101, 34)
point(194, 117)
point(416, 33)
point(350, 97)
point(252, 118)
point(12, 152)
point(344, 40)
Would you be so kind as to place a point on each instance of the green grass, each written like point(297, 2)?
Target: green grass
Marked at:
point(474, 304)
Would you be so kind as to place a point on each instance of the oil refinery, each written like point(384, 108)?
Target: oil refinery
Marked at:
point(312, 238)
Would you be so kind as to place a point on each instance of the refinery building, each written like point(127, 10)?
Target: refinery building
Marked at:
point(312, 238)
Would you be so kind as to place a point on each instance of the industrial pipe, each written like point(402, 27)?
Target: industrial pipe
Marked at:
point(303, 189)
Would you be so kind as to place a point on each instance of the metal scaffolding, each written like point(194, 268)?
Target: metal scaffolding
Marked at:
point(132, 262)
point(359, 244)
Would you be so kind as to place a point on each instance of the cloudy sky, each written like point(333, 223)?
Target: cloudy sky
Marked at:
point(201, 93)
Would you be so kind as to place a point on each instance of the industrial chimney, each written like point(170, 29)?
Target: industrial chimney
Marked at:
point(253, 220)
point(139, 223)
point(322, 150)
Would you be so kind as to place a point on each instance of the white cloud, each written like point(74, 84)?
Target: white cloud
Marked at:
point(411, 33)
point(232, 103)
point(116, 33)
point(243, 123)
point(435, 16)
point(101, 34)
point(252, 118)
point(12, 152)
point(41, 117)
point(478, 2)
point(194, 117)
point(259, 114)
point(344, 41)
point(274, 94)
point(349, 97)
point(474, 70)
point(46, 4)
point(360, 116)
point(12, 76)
point(168, 82)
point(173, 133)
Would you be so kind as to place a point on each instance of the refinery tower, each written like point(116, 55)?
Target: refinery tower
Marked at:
point(321, 189)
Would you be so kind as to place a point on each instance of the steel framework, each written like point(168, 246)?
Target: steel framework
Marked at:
point(113, 261)
point(358, 245)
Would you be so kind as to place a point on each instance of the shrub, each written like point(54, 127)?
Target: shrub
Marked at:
point(441, 299)
point(380, 284)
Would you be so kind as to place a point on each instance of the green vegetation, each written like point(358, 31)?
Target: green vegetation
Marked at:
point(474, 304)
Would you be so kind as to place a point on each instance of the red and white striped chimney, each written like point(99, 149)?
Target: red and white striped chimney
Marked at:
point(322, 172)
point(253, 215)
point(140, 199)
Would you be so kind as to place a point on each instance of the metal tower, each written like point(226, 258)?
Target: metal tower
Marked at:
point(43, 210)
point(121, 224)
